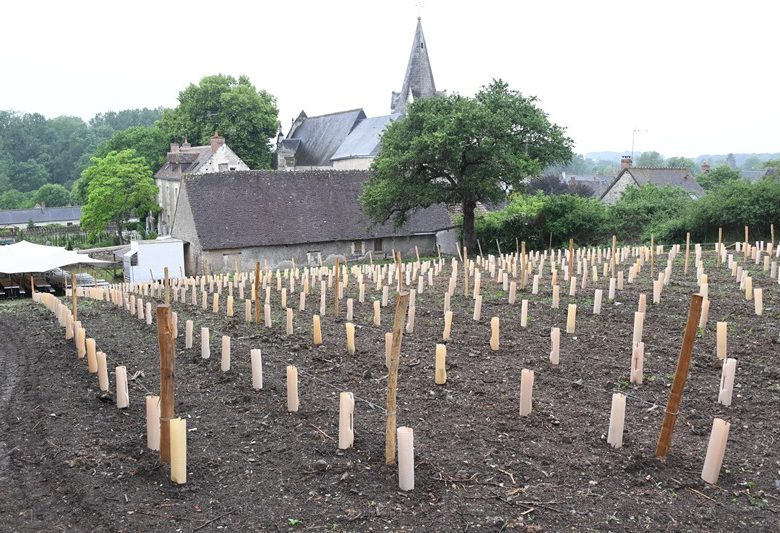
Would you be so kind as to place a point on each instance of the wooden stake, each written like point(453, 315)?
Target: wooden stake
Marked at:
point(772, 234)
point(652, 256)
point(402, 300)
point(167, 285)
point(480, 248)
point(680, 377)
point(746, 243)
point(336, 290)
point(613, 262)
point(571, 257)
point(720, 244)
point(687, 250)
point(167, 377)
point(74, 301)
point(397, 258)
point(523, 266)
point(256, 294)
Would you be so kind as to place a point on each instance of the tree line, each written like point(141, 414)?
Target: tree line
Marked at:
point(43, 160)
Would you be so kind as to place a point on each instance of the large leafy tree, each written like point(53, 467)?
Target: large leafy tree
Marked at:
point(650, 159)
point(52, 195)
point(245, 116)
point(459, 151)
point(682, 162)
point(149, 142)
point(120, 185)
point(717, 177)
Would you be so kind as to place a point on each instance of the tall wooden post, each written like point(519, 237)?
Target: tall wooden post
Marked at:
point(402, 300)
point(397, 258)
point(167, 284)
point(772, 233)
point(746, 244)
point(613, 263)
point(571, 257)
point(523, 266)
point(680, 377)
point(167, 377)
point(720, 244)
point(32, 283)
point(465, 271)
point(652, 256)
point(336, 290)
point(256, 295)
point(687, 250)
point(479, 246)
point(74, 300)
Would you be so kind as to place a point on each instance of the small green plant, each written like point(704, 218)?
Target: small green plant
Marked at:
point(623, 383)
point(293, 522)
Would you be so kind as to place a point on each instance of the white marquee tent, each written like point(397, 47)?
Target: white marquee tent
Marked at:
point(24, 257)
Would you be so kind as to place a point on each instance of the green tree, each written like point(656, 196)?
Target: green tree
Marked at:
point(149, 142)
point(682, 162)
point(459, 151)
point(247, 117)
point(640, 210)
point(650, 159)
point(52, 195)
point(752, 163)
point(772, 163)
point(28, 176)
point(13, 199)
point(120, 185)
point(718, 177)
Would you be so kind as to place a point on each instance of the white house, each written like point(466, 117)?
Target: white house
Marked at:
point(185, 159)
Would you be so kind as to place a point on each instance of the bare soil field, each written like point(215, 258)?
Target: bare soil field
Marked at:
point(70, 460)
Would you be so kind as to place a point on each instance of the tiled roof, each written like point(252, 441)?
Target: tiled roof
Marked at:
point(40, 215)
point(265, 208)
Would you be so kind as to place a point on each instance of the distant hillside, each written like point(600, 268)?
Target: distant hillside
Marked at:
point(712, 158)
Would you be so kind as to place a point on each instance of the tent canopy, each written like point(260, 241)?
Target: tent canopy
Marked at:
point(23, 257)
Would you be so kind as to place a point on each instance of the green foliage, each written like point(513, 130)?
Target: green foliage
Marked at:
point(567, 216)
point(35, 150)
point(52, 195)
point(538, 217)
point(149, 142)
point(459, 151)
point(119, 185)
point(650, 159)
point(718, 177)
point(772, 163)
point(245, 116)
point(641, 210)
point(682, 162)
point(13, 199)
point(752, 163)
point(736, 204)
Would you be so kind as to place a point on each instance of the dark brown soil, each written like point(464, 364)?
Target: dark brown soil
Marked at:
point(69, 459)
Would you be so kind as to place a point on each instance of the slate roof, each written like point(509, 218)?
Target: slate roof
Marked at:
point(266, 208)
point(321, 136)
point(364, 140)
point(662, 177)
point(418, 79)
point(756, 175)
point(187, 160)
point(40, 215)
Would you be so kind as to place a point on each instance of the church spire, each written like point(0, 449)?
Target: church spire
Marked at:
point(418, 81)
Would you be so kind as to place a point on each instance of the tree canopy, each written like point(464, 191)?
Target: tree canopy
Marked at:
point(120, 185)
point(52, 195)
point(717, 177)
point(650, 159)
point(234, 108)
point(459, 151)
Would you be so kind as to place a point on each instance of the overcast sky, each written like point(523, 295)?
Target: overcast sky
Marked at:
point(700, 77)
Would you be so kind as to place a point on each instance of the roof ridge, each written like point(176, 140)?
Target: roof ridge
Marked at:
point(335, 113)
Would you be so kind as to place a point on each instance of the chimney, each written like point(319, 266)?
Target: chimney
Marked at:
point(705, 166)
point(186, 143)
point(625, 162)
point(216, 141)
point(174, 148)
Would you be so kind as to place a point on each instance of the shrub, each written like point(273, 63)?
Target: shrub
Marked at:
point(646, 210)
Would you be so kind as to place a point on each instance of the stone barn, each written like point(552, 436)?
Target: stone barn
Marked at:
point(273, 216)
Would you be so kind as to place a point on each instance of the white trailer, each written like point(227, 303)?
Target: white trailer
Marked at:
point(147, 260)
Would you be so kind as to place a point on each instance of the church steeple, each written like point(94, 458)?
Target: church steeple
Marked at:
point(418, 81)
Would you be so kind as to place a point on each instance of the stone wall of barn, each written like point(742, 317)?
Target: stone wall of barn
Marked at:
point(613, 194)
point(307, 254)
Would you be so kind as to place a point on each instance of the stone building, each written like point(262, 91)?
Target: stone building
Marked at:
point(637, 176)
point(349, 140)
point(275, 216)
point(185, 159)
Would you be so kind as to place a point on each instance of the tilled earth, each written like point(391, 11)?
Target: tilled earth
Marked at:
point(69, 459)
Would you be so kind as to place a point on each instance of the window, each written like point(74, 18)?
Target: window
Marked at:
point(357, 248)
point(313, 257)
point(377, 245)
point(223, 167)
